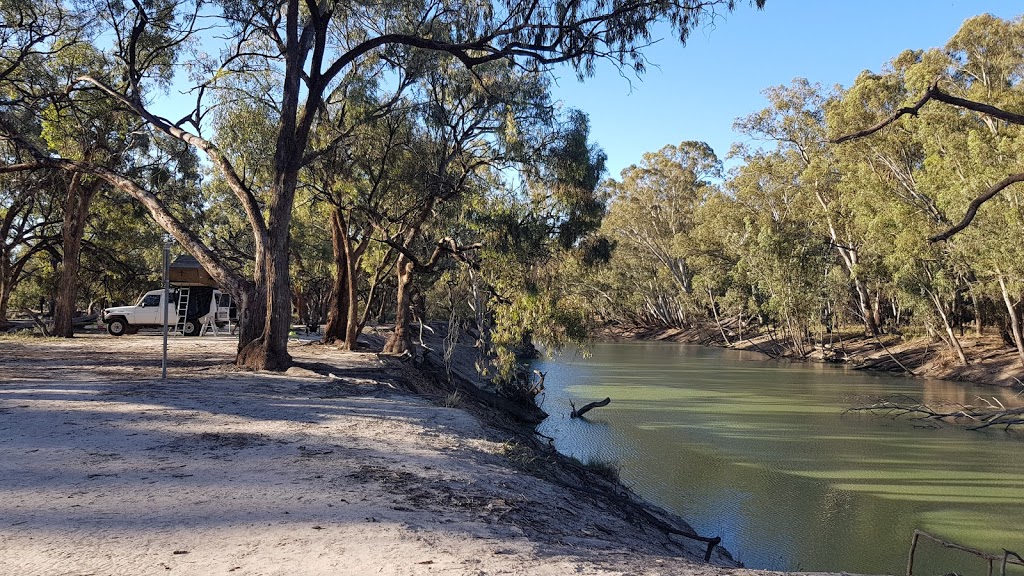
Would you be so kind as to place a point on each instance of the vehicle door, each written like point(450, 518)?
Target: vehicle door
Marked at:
point(148, 311)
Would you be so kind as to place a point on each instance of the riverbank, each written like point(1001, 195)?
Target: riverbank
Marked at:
point(331, 468)
point(992, 362)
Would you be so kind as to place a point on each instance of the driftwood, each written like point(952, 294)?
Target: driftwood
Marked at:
point(38, 322)
point(587, 407)
point(44, 327)
point(993, 413)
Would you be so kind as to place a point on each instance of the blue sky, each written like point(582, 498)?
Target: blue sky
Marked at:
point(697, 91)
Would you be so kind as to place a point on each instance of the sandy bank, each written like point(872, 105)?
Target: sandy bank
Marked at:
point(106, 469)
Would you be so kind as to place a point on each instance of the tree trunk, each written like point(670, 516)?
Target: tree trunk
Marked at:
point(269, 351)
point(868, 314)
point(1018, 339)
point(371, 293)
point(344, 321)
point(952, 340)
point(876, 310)
point(979, 326)
point(866, 308)
point(338, 309)
point(352, 325)
point(300, 304)
point(251, 313)
point(718, 321)
point(76, 211)
point(400, 341)
point(5, 298)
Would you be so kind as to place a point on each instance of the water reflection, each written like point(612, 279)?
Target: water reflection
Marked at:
point(761, 454)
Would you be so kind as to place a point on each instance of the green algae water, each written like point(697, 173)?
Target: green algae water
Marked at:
point(761, 454)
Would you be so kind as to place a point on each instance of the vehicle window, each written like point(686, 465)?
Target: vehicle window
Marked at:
point(151, 300)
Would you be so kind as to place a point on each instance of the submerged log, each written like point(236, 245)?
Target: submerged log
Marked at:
point(587, 407)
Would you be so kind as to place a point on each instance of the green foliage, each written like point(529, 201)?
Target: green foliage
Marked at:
point(805, 236)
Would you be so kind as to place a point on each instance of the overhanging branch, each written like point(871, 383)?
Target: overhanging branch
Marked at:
point(935, 93)
point(972, 209)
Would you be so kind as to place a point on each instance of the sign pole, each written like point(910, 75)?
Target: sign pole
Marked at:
point(166, 299)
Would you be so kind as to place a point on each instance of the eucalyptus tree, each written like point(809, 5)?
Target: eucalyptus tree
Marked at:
point(795, 121)
point(896, 173)
point(28, 220)
point(978, 73)
point(938, 162)
point(308, 45)
point(537, 243)
point(652, 215)
point(457, 137)
point(782, 257)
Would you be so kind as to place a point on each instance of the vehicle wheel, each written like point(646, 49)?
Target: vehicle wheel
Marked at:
point(191, 328)
point(117, 327)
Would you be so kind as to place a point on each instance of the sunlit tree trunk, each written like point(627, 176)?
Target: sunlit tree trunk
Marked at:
point(400, 341)
point(269, 351)
point(951, 339)
point(714, 311)
point(5, 299)
point(352, 324)
point(1011, 310)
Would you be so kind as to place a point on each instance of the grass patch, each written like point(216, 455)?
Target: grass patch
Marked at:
point(26, 335)
point(607, 469)
point(521, 456)
point(452, 400)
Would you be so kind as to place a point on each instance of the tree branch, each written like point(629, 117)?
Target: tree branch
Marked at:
point(972, 209)
point(911, 110)
point(168, 221)
point(935, 93)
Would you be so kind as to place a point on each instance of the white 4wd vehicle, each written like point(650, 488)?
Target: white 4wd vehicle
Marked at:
point(203, 304)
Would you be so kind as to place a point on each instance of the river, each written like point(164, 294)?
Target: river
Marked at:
point(760, 453)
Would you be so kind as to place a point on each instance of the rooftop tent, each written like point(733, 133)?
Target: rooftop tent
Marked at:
point(186, 271)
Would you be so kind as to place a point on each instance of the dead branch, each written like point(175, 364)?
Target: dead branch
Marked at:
point(1007, 556)
point(973, 417)
point(538, 386)
point(894, 359)
point(587, 407)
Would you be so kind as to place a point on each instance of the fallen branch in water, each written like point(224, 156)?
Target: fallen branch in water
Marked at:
point(587, 407)
point(993, 413)
point(1008, 557)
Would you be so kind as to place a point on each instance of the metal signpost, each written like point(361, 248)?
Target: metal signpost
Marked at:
point(166, 298)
